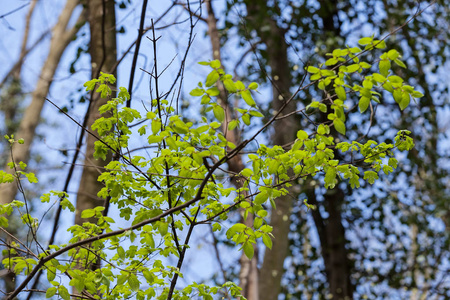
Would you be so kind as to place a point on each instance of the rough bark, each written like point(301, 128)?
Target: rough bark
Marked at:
point(61, 37)
point(103, 52)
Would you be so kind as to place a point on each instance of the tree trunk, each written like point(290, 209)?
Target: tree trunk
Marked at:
point(248, 274)
point(284, 132)
point(333, 242)
point(103, 51)
point(61, 37)
point(333, 239)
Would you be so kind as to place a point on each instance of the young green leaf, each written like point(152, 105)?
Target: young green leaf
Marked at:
point(219, 113)
point(212, 78)
point(384, 66)
point(339, 125)
point(267, 241)
point(365, 41)
point(247, 96)
point(312, 70)
point(249, 250)
point(363, 104)
point(134, 283)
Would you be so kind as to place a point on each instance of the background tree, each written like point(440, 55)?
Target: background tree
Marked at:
point(103, 52)
point(62, 35)
point(308, 28)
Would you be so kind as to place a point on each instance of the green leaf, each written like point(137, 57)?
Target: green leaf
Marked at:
point(400, 63)
point(302, 135)
point(395, 79)
point(406, 99)
point(380, 44)
point(340, 92)
point(214, 91)
point(321, 85)
point(257, 223)
point(256, 113)
point(353, 50)
point(249, 250)
point(246, 119)
point(154, 139)
point(79, 284)
point(151, 115)
point(133, 282)
point(353, 68)
point(246, 172)
point(233, 124)
point(219, 113)
point(142, 130)
point(230, 86)
point(365, 41)
point(365, 92)
point(261, 198)
point(312, 70)
point(215, 64)
point(163, 228)
point(90, 85)
point(197, 92)
point(88, 213)
point(212, 78)
point(50, 292)
point(365, 65)
point(339, 125)
point(388, 87)
point(149, 276)
point(171, 143)
point(322, 107)
point(378, 77)
point(121, 252)
point(363, 104)
point(247, 96)
point(331, 62)
point(370, 176)
point(31, 178)
point(393, 162)
point(267, 241)
point(323, 129)
point(384, 66)
point(367, 84)
point(273, 166)
point(253, 86)
point(397, 95)
point(156, 126)
point(63, 292)
point(393, 54)
point(387, 169)
point(239, 85)
point(239, 227)
point(417, 94)
point(330, 178)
